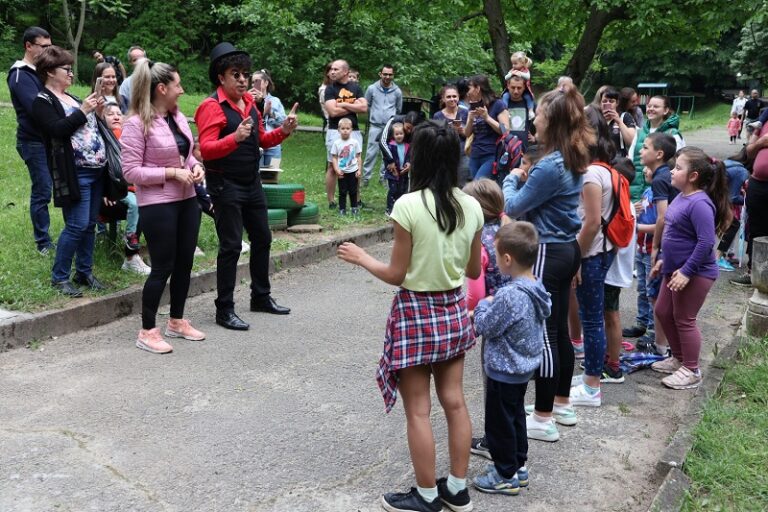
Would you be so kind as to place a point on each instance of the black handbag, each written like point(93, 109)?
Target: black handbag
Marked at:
point(115, 187)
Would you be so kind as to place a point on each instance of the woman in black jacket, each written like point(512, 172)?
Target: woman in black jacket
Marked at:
point(76, 158)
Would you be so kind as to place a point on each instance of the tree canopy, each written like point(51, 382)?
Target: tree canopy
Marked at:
point(697, 44)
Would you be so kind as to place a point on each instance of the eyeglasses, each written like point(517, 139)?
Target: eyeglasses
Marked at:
point(237, 74)
point(68, 70)
point(42, 45)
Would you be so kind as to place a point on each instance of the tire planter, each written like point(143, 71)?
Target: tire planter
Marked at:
point(277, 219)
point(309, 214)
point(287, 196)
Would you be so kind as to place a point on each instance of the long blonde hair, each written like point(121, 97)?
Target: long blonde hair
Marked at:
point(146, 76)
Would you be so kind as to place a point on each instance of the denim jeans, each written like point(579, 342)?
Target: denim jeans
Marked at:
point(78, 237)
point(132, 213)
point(33, 154)
point(644, 308)
point(481, 166)
point(591, 295)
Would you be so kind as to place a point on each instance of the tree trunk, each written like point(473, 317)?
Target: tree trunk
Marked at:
point(74, 40)
point(497, 29)
point(590, 39)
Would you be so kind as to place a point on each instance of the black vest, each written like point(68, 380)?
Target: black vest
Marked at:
point(242, 164)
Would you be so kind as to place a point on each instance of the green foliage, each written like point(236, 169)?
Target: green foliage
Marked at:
point(423, 43)
point(749, 58)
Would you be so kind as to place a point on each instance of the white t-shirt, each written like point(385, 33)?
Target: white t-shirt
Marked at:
point(347, 151)
point(600, 176)
point(620, 273)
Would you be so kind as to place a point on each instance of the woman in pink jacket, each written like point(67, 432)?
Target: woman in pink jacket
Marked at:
point(157, 156)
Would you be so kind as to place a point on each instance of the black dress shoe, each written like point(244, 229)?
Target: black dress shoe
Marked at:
point(269, 306)
point(67, 288)
point(229, 320)
point(89, 281)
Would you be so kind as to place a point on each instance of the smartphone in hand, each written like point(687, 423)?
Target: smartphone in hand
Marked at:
point(473, 105)
point(98, 87)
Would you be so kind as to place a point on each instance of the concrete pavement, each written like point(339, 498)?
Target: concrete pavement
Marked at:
point(288, 417)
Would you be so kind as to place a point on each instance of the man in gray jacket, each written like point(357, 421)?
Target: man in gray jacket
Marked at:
point(385, 99)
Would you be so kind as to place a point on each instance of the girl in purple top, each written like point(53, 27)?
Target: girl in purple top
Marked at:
point(687, 262)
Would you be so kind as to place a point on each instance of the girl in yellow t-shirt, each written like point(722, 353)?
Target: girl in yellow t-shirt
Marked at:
point(436, 245)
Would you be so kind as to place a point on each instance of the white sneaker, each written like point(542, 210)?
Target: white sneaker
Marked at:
point(541, 431)
point(136, 264)
point(562, 414)
point(198, 252)
point(577, 379)
point(245, 247)
point(580, 396)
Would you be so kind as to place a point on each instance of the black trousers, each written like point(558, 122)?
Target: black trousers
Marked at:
point(171, 231)
point(396, 189)
point(505, 430)
point(236, 206)
point(556, 264)
point(757, 212)
point(347, 187)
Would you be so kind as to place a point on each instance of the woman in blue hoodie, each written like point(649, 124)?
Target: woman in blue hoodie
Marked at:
point(548, 196)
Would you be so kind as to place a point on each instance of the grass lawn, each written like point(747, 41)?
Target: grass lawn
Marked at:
point(25, 275)
point(706, 115)
point(728, 461)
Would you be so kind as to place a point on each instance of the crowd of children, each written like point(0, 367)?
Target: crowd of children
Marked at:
point(521, 247)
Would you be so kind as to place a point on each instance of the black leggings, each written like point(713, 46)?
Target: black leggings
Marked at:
point(757, 212)
point(556, 264)
point(171, 231)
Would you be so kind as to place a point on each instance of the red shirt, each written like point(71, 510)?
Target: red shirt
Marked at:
point(210, 120)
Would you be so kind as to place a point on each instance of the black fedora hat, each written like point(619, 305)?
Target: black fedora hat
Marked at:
point(219, 51)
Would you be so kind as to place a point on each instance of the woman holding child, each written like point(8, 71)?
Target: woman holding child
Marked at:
point(548, 196)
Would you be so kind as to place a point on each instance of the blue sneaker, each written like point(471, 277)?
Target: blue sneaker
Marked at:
point(492, 482)
point(521, 474)
point(724, 265)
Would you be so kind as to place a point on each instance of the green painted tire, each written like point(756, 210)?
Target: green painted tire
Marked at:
point(287, 196)
point(309, 214)
point(277, 219)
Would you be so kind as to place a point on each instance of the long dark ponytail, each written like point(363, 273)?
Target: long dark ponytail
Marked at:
point(714, 181)
point(435, 153)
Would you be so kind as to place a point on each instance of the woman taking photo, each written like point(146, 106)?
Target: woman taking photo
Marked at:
point(661, 118)
point(109, 89)
point(456, 116)
point(486, 116)
point(76, 158)
point(157, 157)
point(548, 195)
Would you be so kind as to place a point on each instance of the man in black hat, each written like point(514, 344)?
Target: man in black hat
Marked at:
point(231, 133)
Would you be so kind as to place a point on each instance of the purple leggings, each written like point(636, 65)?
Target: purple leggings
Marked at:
point(677, 314)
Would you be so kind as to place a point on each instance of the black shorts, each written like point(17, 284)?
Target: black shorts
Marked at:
point(612, 297)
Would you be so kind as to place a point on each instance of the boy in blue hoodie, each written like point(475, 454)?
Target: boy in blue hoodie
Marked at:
point(512, 325)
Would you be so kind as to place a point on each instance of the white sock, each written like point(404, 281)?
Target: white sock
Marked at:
point(428, 493)
point(558, 407)
point(456, 485)
point(540, 419)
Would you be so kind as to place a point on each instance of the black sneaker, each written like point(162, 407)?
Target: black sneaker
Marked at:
point(409, 502)
point(654, 349)
point(67, 288)
point(332, 205)
point(742, 280)
point(644, 343)
point(610, 376)
point(459, 502)
point(479, 447)
point(633, 332)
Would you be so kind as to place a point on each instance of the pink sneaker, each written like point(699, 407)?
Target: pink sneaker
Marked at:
point(183, 329)
point(152, 341)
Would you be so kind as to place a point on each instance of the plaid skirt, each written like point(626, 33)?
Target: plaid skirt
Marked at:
point(422, 328)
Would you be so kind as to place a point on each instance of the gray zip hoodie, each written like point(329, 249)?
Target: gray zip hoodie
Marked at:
point(512, 326)
point(383, 103)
